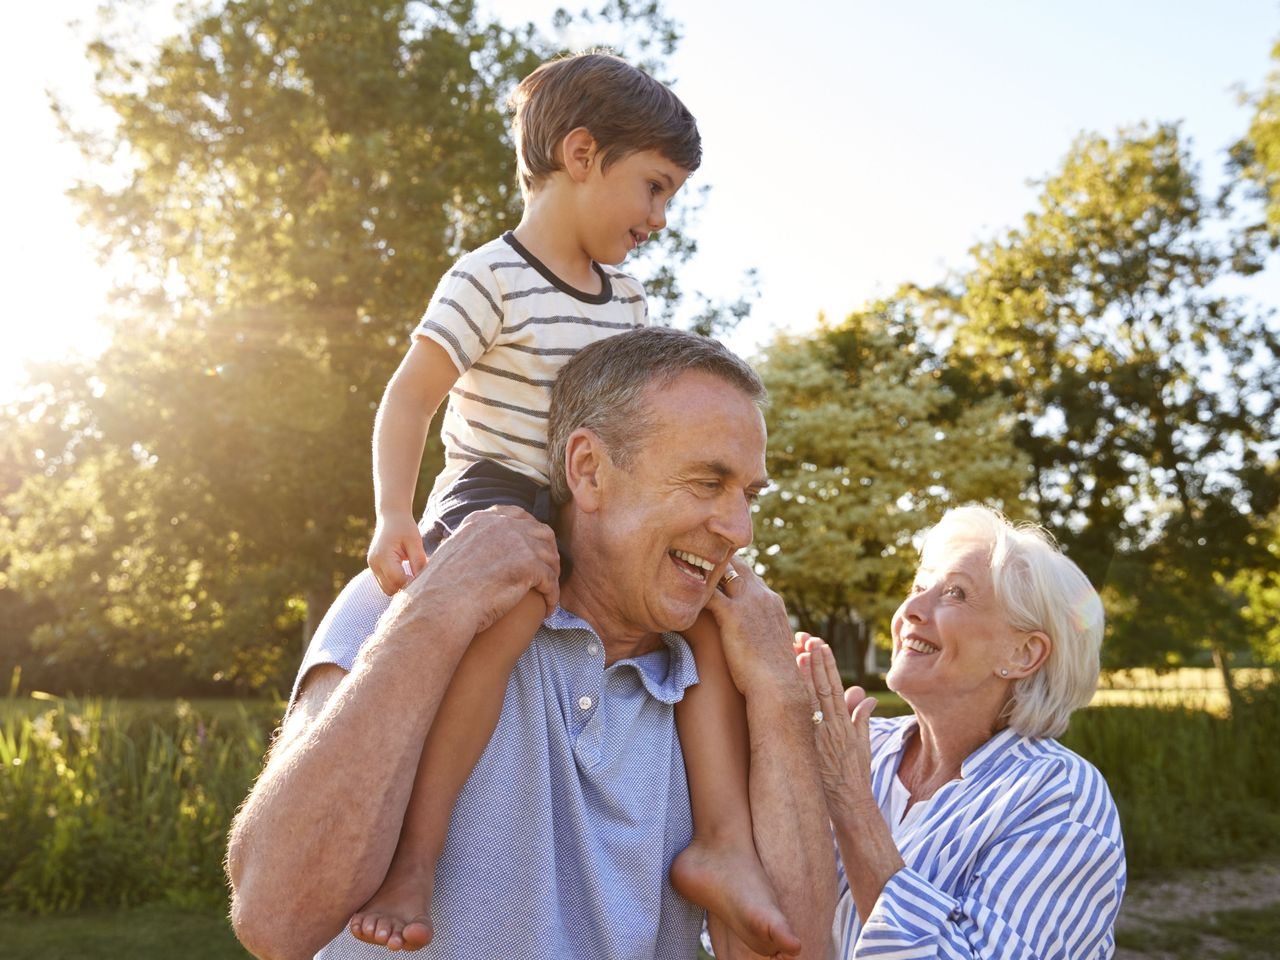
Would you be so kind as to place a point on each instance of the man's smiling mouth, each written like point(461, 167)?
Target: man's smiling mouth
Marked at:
point(691, 565)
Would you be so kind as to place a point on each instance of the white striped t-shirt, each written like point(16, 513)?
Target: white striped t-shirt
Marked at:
point(1020, 858)
point(509, 324)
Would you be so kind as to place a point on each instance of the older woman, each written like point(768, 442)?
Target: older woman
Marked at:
point(966, 830)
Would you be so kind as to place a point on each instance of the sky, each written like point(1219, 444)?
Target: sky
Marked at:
point(849, 146)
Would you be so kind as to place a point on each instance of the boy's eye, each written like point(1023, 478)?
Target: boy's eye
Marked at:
point(655, 187)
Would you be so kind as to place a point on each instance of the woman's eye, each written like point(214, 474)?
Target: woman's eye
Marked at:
point(954, 592)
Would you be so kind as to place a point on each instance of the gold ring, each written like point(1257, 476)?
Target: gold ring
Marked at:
point(817, 717)
point(731, 575)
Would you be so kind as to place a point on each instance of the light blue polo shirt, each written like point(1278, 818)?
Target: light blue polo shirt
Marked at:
point(561, 841)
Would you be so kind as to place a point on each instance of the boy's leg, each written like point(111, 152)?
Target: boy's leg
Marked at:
point(399, 914)
point(720, 870)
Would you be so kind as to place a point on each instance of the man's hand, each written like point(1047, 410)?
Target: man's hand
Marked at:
point(494, 558)
point(754, 630)
point(396, 541)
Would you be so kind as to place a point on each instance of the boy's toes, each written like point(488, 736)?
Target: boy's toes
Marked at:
point(417, 933)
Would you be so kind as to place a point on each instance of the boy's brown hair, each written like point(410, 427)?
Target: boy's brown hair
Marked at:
point(623, 108)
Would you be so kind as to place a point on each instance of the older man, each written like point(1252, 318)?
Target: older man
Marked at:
point(561, 840)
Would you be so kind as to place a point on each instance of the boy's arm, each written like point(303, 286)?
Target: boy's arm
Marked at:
point(415, 390)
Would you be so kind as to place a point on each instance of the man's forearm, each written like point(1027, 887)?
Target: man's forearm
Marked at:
point(315, 837)
point(788, 813)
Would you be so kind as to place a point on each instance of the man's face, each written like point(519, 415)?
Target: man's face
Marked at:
point(670, 523)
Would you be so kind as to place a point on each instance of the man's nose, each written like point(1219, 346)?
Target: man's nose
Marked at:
point(733, 522)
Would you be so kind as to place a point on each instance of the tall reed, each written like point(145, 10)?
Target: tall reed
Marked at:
point(103, 806)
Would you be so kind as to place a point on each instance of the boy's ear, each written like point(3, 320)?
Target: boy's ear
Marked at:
point(584, 456)
point(578, 150)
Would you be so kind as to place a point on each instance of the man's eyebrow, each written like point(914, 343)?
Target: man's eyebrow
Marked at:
point(725, 472)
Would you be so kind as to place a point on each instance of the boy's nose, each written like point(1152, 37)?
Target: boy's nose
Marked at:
point(658, 218)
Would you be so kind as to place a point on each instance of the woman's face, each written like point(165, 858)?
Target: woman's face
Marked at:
point(951, 637)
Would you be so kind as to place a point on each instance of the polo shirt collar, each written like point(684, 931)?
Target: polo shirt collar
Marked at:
point(665, 674)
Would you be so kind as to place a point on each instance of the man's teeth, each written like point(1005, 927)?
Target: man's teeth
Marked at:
point(919, 646)
point(694, 561)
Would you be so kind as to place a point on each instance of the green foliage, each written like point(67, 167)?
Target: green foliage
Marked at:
point(106, 807)
point(1147, 400)
point(1192, 789)
point(1255, 158)
point(868, 445)
point(289, 181)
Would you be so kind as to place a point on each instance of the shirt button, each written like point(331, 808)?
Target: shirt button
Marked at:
point(593, 649)
point(956, 915)
point(584, 703)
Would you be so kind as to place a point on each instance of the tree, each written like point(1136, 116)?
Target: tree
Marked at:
point(290, 180)
point(1255, 158)
point(868, 445)
point(1147, 399)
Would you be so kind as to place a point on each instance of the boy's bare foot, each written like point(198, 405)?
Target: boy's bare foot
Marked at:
point(398, 916)
point(730, 883)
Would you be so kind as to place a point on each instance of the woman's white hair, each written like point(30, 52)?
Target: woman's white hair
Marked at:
point(1039, 589)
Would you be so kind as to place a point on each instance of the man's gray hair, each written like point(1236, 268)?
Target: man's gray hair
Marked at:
point(603, 389)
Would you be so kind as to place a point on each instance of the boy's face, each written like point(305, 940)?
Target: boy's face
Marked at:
point(626, 203)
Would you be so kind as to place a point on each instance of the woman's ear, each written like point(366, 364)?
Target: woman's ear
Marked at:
point(1029, 655)
point(584, 456)
point(578, 153)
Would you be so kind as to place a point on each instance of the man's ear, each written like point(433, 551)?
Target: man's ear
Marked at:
point(578, 153)
point(584, 458)
point(1030, 654)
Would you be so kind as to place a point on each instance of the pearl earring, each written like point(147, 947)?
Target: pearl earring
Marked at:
point(1004, 672)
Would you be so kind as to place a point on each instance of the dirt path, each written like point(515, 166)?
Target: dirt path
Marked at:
point(1154, 905)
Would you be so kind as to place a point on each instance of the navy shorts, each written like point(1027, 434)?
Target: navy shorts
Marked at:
point(487, 484)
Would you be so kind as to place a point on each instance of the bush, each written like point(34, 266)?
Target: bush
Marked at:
point(104, 806)
point(1193, 789)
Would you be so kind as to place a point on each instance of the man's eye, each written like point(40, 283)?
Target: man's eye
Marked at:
point(954, 591)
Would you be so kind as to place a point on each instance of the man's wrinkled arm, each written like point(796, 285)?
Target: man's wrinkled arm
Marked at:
point(315, 837)
point(790, 825)
point(789, 816)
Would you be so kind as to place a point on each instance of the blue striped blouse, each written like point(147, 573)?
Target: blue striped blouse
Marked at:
point(1020, 858)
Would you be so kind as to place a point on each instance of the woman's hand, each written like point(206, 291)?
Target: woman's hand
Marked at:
point(843, 736)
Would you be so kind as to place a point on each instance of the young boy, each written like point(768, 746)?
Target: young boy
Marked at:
point(601, 149)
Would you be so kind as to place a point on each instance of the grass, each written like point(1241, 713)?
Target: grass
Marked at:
point(1225, 935)
point(151, 931)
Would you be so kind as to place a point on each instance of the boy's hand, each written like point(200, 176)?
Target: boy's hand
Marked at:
point(396, 541)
